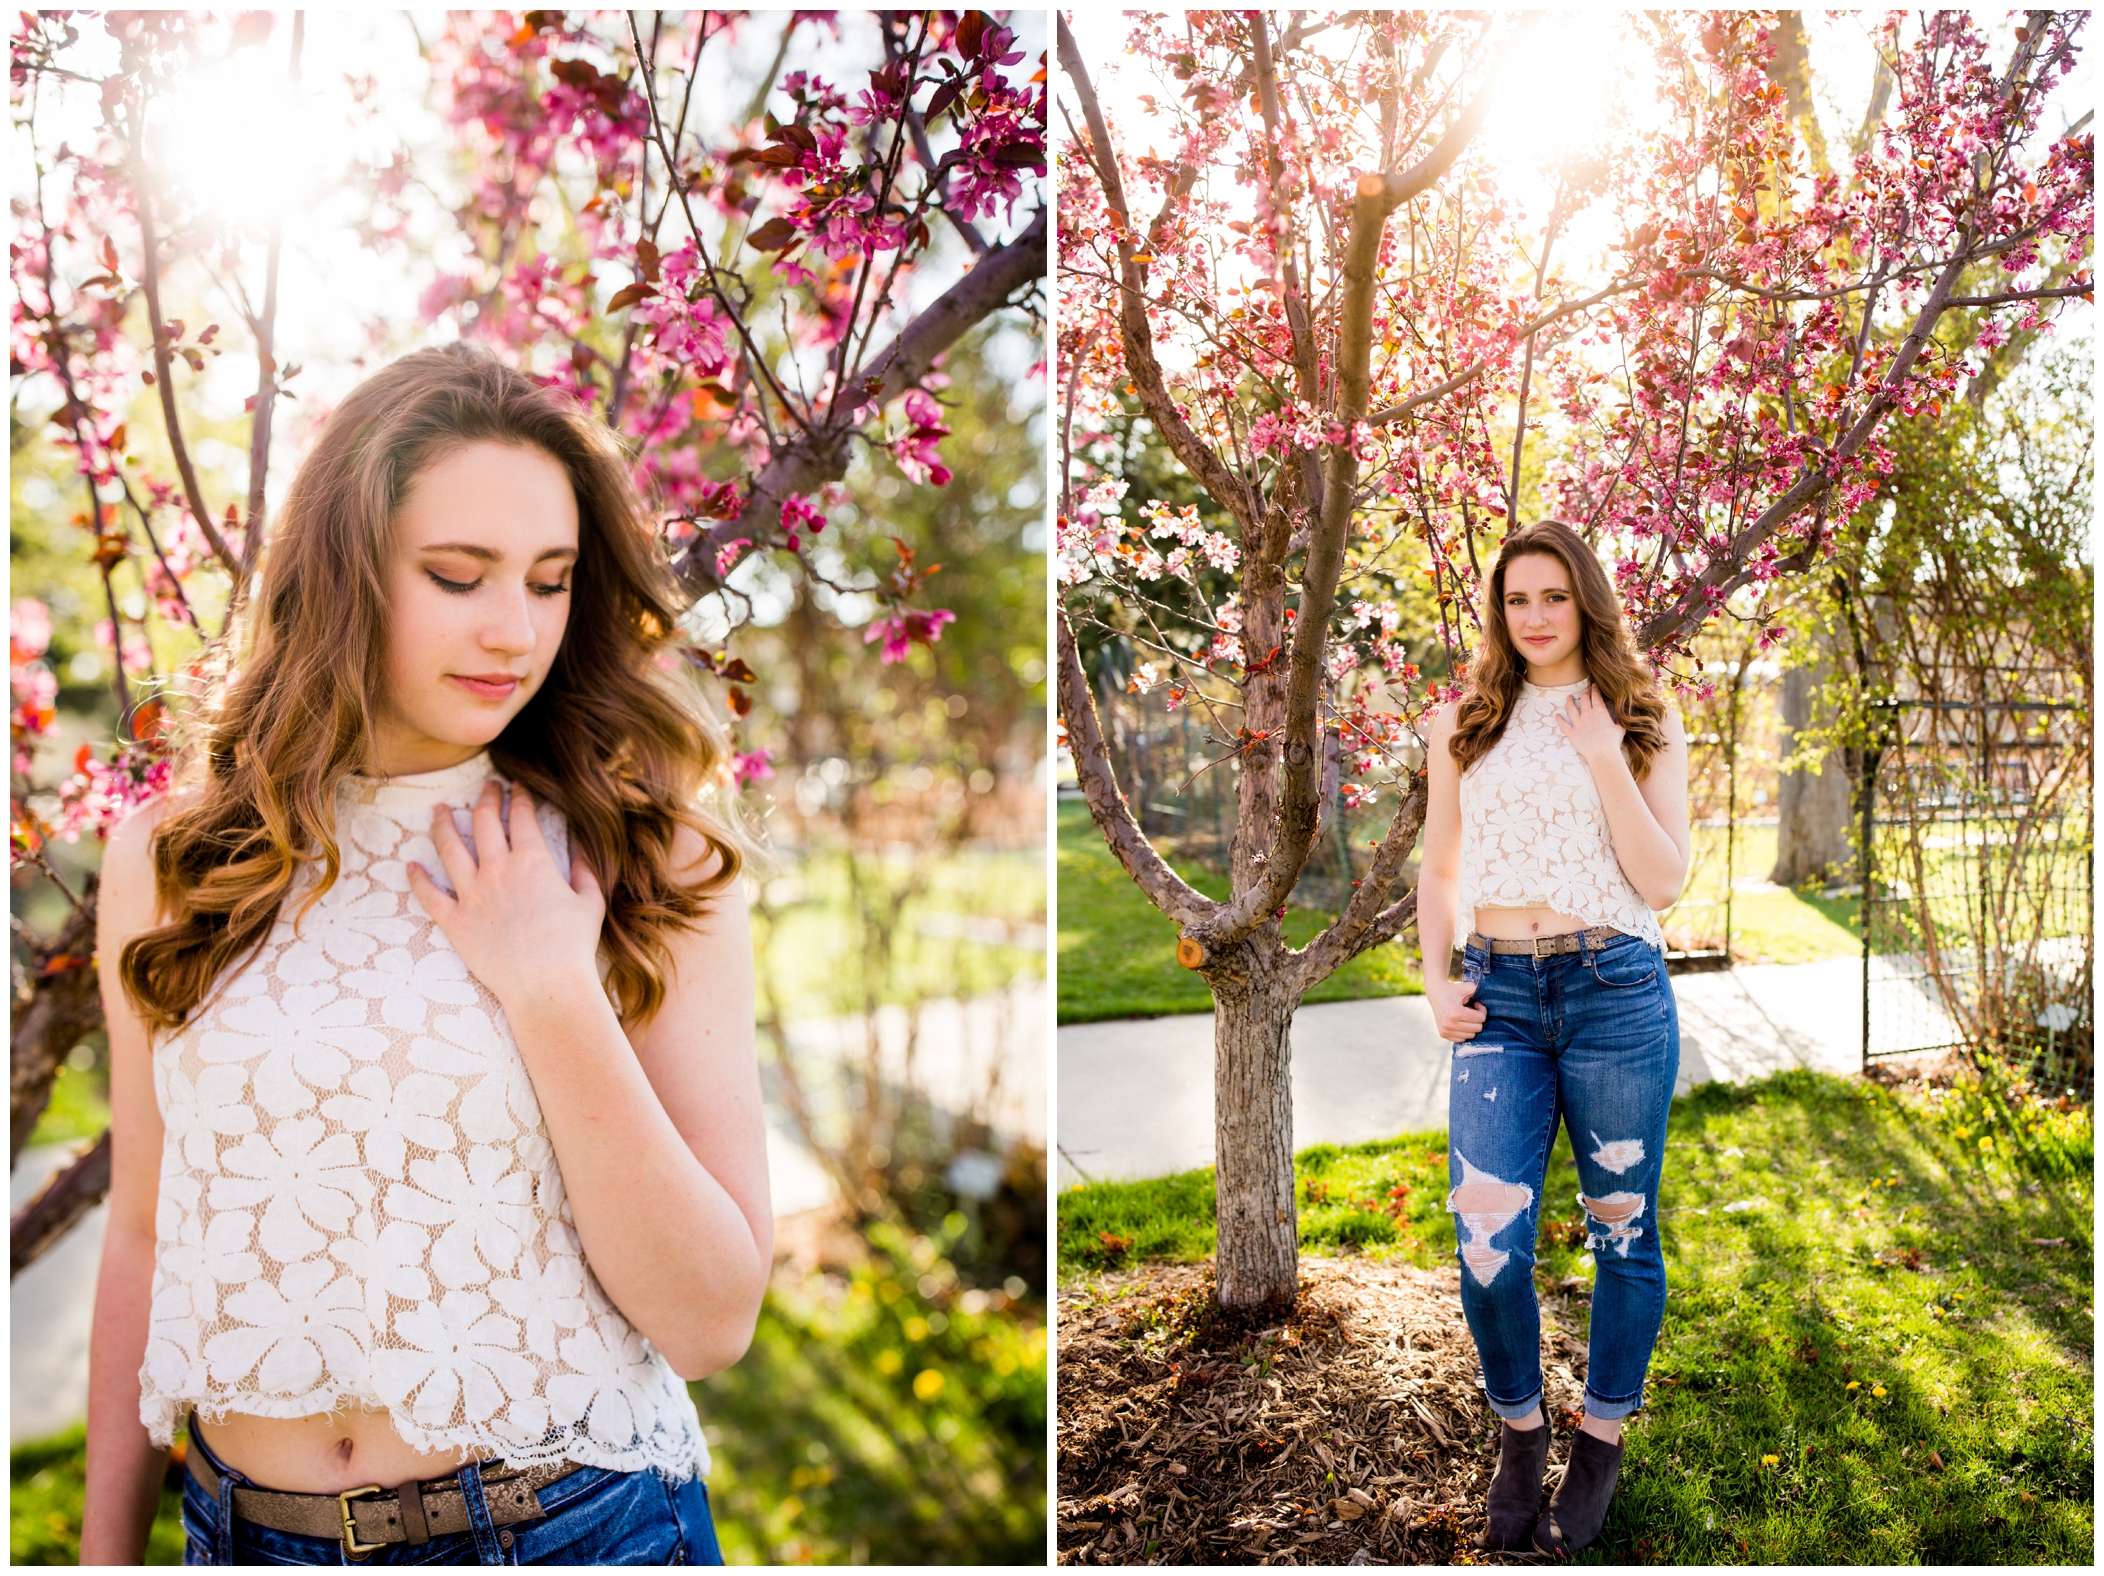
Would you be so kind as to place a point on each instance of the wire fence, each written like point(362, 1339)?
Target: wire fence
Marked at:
point(1977, 854)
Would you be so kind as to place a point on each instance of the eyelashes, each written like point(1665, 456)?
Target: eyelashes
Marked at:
point(460, 588)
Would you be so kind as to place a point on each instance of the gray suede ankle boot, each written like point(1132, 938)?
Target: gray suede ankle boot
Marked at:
point(1515, 1492)
point(1578, 1508)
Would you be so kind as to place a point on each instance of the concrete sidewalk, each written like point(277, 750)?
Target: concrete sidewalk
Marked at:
point(1136, 1094)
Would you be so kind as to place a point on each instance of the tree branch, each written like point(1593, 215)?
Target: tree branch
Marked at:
point(73, 1190)
point(1163, 887)
point(1206, 467)
point(164, 383)
point(1359, 926)
point(1293, 833)
point(1460, 380)
point(820, 454)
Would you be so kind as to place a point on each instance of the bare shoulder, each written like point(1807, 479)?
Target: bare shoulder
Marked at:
point(127, 901)
point(695, 859)
point(1670, 725)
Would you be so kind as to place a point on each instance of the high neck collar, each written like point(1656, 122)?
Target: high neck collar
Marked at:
point(448, 783)
point(1529, 687)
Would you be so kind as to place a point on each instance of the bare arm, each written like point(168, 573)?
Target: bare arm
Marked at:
point(123, 1467)
point(661, 1142)
point(1438, 886)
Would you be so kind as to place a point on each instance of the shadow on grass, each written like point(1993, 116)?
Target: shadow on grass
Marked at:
point(1884, 1356)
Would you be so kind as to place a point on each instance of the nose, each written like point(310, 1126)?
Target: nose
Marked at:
point(509, 628)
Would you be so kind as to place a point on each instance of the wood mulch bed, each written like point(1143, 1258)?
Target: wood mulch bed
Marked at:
point(1355, 1433)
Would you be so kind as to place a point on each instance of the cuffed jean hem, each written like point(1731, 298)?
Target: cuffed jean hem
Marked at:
point(1607, 1411)
point(1509, 1412)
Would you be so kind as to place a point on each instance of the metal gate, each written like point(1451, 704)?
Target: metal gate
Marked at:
point(1975, 853)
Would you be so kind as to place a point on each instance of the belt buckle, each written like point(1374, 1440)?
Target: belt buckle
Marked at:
point(350, 1531)
point(1538, 940)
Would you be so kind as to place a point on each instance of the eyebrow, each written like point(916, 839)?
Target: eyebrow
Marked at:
point(490, 555)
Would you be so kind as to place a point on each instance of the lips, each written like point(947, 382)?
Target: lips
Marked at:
point(494, 687)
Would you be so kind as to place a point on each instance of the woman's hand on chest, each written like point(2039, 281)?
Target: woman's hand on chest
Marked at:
point(1589, 724)
point(514, 919)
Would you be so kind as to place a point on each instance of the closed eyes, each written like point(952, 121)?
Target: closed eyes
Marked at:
point(460, 588)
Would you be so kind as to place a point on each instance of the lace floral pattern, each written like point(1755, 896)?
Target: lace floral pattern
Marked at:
point(358, 1198)
point(1534, 832)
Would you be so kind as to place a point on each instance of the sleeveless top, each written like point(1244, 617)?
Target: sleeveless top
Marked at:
point(358, 1198)
point(1533, 830)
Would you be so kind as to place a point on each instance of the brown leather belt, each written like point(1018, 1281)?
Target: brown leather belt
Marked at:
point(364, 1519)
point(1548, 946)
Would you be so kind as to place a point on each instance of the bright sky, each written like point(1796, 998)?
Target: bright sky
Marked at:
point(252, 146)
point(1563, 80)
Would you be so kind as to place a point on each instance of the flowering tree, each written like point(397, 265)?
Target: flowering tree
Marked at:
point(1345, 322)
point(751, 301)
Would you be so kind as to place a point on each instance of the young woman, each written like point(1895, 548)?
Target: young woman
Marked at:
point(1558, 823)
point(437, 1161)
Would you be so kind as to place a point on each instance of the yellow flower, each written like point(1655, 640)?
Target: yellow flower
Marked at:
point(927, 1384)
point(1877, 1389)
point(1987, 1140)
point(1769, 1461)
point(1855, 1384)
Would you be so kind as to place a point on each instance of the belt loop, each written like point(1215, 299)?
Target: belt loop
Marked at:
point(410, 1498)
point(229, 1479)
point(488, 1550)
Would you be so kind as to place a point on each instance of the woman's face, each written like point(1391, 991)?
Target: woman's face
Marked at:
point(1543, 619)
point(479, 595)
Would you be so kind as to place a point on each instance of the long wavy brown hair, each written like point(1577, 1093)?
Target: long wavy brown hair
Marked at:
point(623, 747)
point(1620, 673)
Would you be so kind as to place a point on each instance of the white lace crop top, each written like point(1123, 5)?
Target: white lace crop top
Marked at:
point(1533, 830)
point(358, 1198)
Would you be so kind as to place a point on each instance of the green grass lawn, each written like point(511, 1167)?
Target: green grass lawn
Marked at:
point(1117, 953)
point(1913, 1289)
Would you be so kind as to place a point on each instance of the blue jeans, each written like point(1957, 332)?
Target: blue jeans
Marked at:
point(1591, 1038)
point(595, 1517)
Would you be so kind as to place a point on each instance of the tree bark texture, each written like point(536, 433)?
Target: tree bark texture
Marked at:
point(1254, 994)
point(63, 1007)
point(73, 1190)
point(1811, 835)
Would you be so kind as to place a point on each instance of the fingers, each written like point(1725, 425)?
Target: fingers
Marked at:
point(524, 827)
point(488, 819)
point(427, 891)
point(452, 852)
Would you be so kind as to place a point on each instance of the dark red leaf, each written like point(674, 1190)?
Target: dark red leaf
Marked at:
point(647, 255)
point(741, 703)
point(774, 235)
point(970, 30)
point(736, 670)
point(945, 96)
point(700, 658)
point(782, 156)
point(802, 138)
point(629, 295)
point(1018, 155)
point(109, 256)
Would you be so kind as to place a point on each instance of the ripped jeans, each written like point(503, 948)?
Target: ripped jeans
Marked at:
point(1590, 1037)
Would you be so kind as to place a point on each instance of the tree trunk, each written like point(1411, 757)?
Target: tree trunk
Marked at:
point(1259, 1232)
point(1811, 838)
